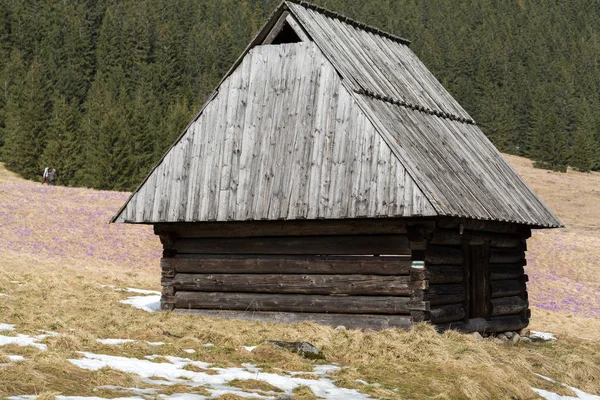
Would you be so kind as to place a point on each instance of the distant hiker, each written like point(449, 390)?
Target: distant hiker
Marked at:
point(52, 177)
point(45, 175)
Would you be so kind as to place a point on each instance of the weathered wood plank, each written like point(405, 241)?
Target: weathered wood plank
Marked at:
point(441, 294)
point(509, 305)
point(289, 302)
point(500, 272)
point(232, 264)
point(319, 245)
point(453, 237)
point(507, 288)
point(444, 255)
point(447, 313)
point(494, 324)
point(350, 321)
point(299, 284)
point(499, 256)
point(443, 274)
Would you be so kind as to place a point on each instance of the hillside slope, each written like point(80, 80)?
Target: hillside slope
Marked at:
point(58, 253)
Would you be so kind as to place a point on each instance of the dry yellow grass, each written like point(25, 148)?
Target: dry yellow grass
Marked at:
point(65, 295)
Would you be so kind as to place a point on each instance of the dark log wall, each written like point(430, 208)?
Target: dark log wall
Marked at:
point(475, 277)
point(465, 275)
point(315, 272)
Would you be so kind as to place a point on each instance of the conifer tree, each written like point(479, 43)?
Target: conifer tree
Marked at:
point(584, 150)
point(549, 147)
point(27, 115)
point(63, 147)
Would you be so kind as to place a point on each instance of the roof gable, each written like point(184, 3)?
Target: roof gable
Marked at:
point(282, 139)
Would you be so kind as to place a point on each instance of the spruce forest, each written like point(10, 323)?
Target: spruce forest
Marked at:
point(99, 89)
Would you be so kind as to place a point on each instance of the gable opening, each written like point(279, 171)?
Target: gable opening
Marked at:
point(286, 35)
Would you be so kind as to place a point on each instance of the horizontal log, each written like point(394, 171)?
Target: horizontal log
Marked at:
point(444, 255)
point(438, 300)
point(441, 294)
point(500, 256)
point(505, 273)
point(360, 226)
point(448, 313)
point(454, 237)
point(350, 321)
point(484, 226)
point(494, 324)
point(509, 305)
point(235, 264)
point(290, 302)
point(317, 245)
point(507, 288)
point(302, 284)
point(441, 274)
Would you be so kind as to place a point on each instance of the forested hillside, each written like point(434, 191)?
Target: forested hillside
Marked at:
point(99, 89)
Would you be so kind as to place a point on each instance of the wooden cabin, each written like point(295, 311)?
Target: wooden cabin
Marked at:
point(331, 178)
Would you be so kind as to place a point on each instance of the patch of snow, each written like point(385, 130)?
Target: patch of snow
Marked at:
point(127, 390)
point(249, 348)
point(7, 327)
point(114, 341)
point(208, 345)
point(323, 370)
point(3, 294)
point(141, 291)
point(545, 336)
point(13, 358)
point(16, 282)
point(146, 303)
point(174, 372)
point(132, 290)
point(189, 351)
point(547, 395)
point(155, 343)
point(24, 340)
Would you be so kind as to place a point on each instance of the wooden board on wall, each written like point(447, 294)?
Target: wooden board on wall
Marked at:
point(285, 264)
point(289, 302)
point(313, 245)
point(366, 285)
point(350, 321)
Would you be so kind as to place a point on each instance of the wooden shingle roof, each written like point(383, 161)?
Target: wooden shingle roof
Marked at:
point(347, 124)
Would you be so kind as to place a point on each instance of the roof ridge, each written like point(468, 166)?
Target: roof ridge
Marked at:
point(415, 107)
point(350, 21)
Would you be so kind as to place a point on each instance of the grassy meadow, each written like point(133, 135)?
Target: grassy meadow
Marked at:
point(60, 261)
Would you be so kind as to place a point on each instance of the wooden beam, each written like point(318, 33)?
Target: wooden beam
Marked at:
point(485, 226)
point(276, 28)
point(448, 313)
point(444, 274)
point(444, 255)
point(316, 245)
point(236, 264)
point(500, 272)
point(299, 284)
point(494, 324)
point(509, 305)
point(453, 237)
point(297, 28)
point(500, 256)
point(508, 288)
point(361, 226)
point(350, 321)
point(290, 303)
